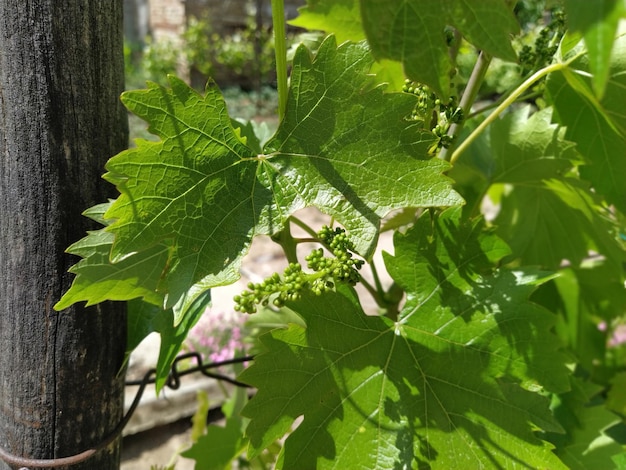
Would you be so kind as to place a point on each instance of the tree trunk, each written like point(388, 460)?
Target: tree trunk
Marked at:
point(61, 73)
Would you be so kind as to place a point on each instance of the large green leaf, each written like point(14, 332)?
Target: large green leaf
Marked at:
point(585, 444)
point(549, 221)
point(545, 216)
point(413, 32)
point(590, 294)
point(529, 147)
point(218, 446)
point(342, 146)
point(597, 21)
point(448, 385)
point(597, 126)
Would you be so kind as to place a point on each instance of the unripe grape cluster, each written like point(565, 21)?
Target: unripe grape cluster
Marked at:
point(342, 267)
point(327, 271)
point(540, 54)
point(436, 115)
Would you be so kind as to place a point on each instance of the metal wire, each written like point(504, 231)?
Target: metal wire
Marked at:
point(173, 382)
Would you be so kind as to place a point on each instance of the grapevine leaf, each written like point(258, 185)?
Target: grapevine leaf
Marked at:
point(586, 296)
point(598, 127)
point(543, 208)
point(549, 221)
point(192, 190)
point(597, 21)
point(585, 444)
point(529, 147)
point(519, 148)
point(448, 264)
point(445, 386)
point(358, 156)
point(578, 317)
point(414, 33)
point(220, 445)
point(218, 448)
point(343, 20)
point(616, 397)
point(205, 194)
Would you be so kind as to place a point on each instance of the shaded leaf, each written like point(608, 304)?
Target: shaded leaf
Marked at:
point(144, 318)
point(553, 220)
point(598, 22)
point(585, 445)
point(597, 127)
point(220, 445)
point(616, 399)
point(414, 34)
point(443, 387)
point(529, 147)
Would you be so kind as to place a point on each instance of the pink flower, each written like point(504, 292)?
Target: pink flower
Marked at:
point(218, 336)
point(619, 336)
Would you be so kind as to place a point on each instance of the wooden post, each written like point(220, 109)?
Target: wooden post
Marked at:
point(61, 73)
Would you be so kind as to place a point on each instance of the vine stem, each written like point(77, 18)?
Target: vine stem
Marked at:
point(468, 98)
point(505, 104)
point(304, 226)
point(280, 46)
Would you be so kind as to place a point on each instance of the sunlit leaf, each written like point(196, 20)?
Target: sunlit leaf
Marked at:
point(198, 196)
point(343, 19)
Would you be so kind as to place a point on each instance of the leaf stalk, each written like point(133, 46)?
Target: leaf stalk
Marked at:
point(468, 98)
point(530, 81)
point(280, 47)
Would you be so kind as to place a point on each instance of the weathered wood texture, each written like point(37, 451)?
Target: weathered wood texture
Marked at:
point(61, 73)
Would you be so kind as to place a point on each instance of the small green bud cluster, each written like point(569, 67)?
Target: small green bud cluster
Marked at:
point(540, 54)
point(343, 267)
point(327, 271)
point(287, 287)
point(434, 113)
point(426, 101)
